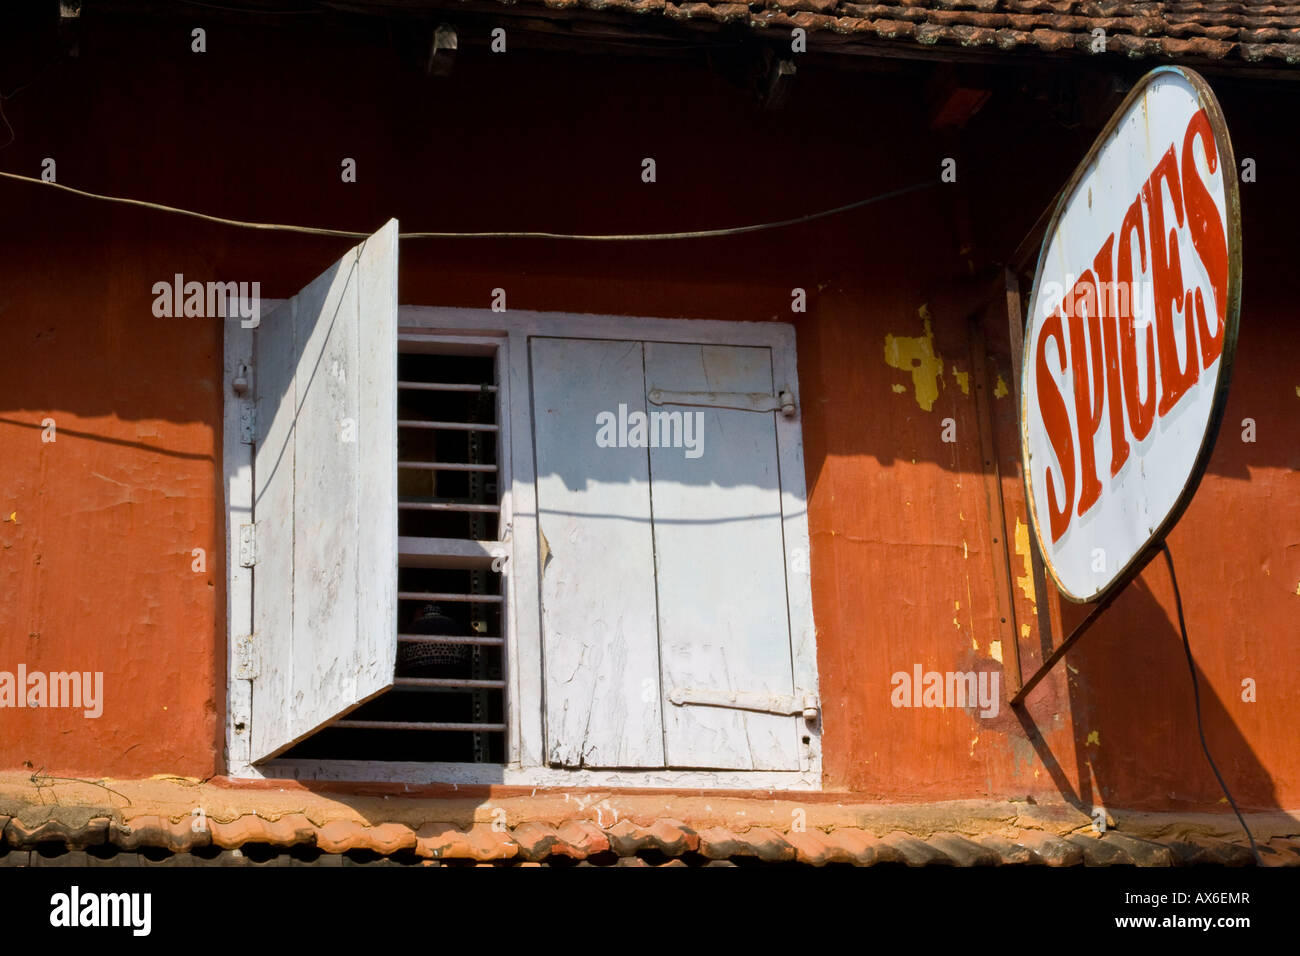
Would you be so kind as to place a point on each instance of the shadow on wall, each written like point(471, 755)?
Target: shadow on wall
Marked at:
point(1141, 749)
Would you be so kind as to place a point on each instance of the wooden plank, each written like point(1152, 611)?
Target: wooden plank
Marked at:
point(798, 556)
point(275, 361)
point(327, 520)
point(1000, 548)
point(237, 459)
point(720, 563)
point(600, 645)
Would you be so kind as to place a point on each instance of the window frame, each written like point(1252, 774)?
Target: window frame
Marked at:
point(509, 332)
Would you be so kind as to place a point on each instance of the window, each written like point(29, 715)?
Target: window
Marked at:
point(520, 547)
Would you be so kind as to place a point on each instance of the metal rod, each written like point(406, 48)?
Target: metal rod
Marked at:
point(455, 682)
point(445, 426)
point(445, 387)
point(407, 505)
point(1082, 628)
point(444, 466)
point(440, 596)
point(415, 725)
point(450, 639)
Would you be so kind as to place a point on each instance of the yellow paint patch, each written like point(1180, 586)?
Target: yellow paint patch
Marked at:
point(1026, 582)
point(1000, 390)
point(995, 651)
point(900, 389)
point(1094, 739)
point(963, 380)
point(917, 355)
point(965, 549)
point(1297, 590)
point(972, 746)
point(1024, 630)
point(1297, 391)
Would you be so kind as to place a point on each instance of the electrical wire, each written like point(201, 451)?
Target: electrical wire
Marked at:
point(347, 234)
point(1196, 695)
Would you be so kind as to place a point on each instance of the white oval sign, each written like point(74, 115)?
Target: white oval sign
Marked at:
point(1131, 332)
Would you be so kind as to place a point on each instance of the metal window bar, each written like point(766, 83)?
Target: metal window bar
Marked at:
point(446, 426)
point(469, 409)
point(446, 387)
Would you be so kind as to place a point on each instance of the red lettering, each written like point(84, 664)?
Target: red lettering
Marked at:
point(1206, 227)
point(1089, 381)
point(1167, 283)
point(1056, 421)
point(1107, 311)
point(1140, 414)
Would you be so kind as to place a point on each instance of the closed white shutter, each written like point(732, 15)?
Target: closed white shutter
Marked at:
point(325, 497)
point(724, 625)
point(665, 625)
point(599, 643)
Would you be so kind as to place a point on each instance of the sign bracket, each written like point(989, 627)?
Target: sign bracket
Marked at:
point(1018, 698)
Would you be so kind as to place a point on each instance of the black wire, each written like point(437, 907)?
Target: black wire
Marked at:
point(1196, 694)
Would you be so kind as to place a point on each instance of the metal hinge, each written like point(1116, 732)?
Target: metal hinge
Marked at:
point(247, 421)
point(247, 545)
point(782, 402)
point(807, 705)
point(246, 657)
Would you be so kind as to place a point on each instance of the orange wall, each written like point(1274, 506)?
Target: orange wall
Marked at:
point(95, 568)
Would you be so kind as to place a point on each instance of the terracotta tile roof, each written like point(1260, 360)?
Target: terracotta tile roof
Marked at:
point(294, 839)
point(1246, 32)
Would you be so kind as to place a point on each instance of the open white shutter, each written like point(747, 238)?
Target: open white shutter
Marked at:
point(325, 497)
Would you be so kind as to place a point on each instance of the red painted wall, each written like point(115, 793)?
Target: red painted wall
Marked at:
point(96, 564)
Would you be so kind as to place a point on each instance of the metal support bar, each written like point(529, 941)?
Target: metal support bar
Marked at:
point(1082, 629)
